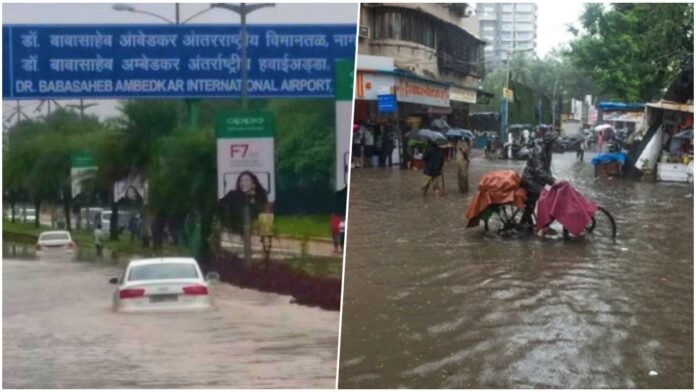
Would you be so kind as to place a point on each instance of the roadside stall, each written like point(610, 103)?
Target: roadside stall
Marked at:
point(675, 140)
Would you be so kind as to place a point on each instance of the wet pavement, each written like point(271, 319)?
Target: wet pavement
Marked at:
point(59, 332)
point(430, 304)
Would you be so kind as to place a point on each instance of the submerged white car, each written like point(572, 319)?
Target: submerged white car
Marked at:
point(163, 284)
point(55, 243)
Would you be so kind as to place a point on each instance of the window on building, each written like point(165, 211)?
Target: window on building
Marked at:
point(405, 25)
point(525, 7)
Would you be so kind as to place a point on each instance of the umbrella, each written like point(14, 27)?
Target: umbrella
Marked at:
point(427, 134)
point(602, 127)
point(458, 133)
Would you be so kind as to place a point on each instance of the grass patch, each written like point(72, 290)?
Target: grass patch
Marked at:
point(303, 226)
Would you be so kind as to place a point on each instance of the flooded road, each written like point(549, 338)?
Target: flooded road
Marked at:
point(430, 304)
point(59, 332)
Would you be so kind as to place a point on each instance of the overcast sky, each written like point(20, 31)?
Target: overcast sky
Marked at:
point(552, 20)
point(92, 13)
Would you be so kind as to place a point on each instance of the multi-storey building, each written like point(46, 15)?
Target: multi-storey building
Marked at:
point(506, 28)
point(427, 56)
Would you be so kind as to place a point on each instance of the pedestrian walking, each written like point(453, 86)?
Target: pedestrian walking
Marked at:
point(462, 150)
point(434, 159)
point(99, 239)
point(335, 226)
point(133, 224)
point(388, 149)
point(580, 153)
point(368, 146)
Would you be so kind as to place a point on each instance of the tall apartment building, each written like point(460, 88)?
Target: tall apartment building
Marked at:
point(506, 27)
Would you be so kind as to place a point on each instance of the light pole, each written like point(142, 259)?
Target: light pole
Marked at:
point(191, 105)
point(82, 106)
point(243, 10)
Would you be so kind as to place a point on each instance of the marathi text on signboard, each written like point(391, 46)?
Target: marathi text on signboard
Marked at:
point(110, 61)
point(422, 92)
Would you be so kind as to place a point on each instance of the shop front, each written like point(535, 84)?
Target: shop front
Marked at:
point(670, 148)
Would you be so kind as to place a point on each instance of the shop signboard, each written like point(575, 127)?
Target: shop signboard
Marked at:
point(386, 103)
point(245, 154)
point(82, 168)
point(171, 61)
point(345, 71)
point(370, 85)
point(462, 95)
point(422, 92)
point(508, 94)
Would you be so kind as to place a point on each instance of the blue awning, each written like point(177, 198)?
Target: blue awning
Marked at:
point(616, 106)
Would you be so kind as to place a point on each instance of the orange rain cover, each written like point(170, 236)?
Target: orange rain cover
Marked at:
point(497, 187)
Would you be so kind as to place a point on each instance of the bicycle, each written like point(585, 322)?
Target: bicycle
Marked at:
point(505, 218)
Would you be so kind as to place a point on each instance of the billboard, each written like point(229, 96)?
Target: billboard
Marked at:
point(245, 154)
point(132, 188)
point(170, 61)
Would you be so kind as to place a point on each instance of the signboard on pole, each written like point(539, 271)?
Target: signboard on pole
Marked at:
point(82, 168)
point(171, 61)
point(386, 103)
point(345, 73)
point(508, 94)
point(245, 153)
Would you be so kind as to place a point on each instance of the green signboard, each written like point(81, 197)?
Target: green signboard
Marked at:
point(82, 159)
point(345, 73)
point(244, 123)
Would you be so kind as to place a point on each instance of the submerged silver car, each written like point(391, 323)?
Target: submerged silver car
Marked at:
point(55, 243)
point(163, 284)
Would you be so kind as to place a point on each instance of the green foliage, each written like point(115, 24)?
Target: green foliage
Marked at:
point(532, 78)
point(632, 50)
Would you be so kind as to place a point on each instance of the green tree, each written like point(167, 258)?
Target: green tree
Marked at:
point(633, 50)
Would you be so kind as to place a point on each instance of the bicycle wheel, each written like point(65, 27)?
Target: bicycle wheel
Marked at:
point(502, 218)
point(602, 225)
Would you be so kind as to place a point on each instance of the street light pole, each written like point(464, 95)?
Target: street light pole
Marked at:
point(243, 10)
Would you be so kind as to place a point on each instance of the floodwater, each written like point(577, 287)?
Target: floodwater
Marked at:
point(430, 304)
point(59, 332)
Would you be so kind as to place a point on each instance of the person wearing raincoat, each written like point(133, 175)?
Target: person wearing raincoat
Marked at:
point(537, 174)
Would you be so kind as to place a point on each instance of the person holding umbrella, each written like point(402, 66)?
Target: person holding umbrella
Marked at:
point(434, 159)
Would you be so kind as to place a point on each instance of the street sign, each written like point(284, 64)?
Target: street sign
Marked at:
point(345, 72)
point(82, 168)
point(386, 103)
point(170, 61)
point(508, 94)
point(245, 152)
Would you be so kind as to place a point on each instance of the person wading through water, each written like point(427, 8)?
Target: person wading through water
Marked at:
point(434, 159)
point(463, 148)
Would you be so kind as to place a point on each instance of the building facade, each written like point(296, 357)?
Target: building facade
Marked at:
point(428, 56)
point(506, 27)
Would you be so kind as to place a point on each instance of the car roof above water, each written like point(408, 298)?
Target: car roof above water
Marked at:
point(163, 260)
point(54, 232)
